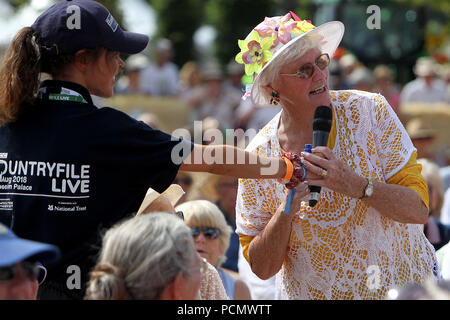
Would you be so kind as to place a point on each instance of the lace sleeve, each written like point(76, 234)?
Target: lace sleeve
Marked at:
point(211, 287)
point(254, 206)
point(393, 145)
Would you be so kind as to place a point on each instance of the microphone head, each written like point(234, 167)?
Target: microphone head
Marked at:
point(322, 119)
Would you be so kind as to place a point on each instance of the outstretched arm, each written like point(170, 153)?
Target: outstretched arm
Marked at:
point(232, 161)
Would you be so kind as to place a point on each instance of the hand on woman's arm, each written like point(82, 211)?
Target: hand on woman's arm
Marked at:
point(268, 250)
point(397, 202)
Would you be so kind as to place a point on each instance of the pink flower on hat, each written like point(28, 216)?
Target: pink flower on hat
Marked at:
point(255, 52)
point(278, 29)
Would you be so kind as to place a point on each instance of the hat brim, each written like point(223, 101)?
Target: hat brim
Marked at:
point(128, 42)
point(16, 250)
point(174, 192)
point(331, 33)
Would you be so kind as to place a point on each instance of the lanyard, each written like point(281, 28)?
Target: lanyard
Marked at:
point(64, 95)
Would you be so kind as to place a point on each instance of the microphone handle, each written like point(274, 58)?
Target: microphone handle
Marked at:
point(320, 138)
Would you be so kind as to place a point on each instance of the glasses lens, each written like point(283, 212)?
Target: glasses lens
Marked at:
point(211, 233)
point(305, 71)
point(323, 61)
point(195, 231)
point(7, 273)
point(30, 269)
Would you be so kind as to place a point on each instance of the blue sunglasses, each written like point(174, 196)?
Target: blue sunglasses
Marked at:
point(208, 232)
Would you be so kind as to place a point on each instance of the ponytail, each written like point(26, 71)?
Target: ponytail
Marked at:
point(107, 283)
point(19, 75)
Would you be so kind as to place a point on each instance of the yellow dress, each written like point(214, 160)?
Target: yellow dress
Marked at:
point(342, 248)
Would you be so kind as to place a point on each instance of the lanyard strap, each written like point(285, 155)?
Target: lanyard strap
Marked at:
point(64, 95)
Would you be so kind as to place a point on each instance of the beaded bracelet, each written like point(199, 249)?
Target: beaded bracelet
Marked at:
point(299, 172)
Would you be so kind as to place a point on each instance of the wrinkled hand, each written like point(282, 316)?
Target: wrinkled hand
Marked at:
point(301, 194)
point(333, 173)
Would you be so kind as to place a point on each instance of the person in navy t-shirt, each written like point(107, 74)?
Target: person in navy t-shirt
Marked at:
point(69, 170)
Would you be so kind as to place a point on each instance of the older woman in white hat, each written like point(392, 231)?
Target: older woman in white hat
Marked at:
point(364, 235)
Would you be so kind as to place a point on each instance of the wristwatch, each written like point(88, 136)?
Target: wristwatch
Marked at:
point(368, 191)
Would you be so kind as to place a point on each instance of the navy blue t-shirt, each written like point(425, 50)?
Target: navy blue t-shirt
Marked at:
point(70, 170)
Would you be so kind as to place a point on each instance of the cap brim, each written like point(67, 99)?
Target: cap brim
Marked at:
point(331, 33)
point(16, 250)
point(128, 42)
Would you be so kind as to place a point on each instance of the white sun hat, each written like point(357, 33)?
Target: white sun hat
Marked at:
point(270, 40)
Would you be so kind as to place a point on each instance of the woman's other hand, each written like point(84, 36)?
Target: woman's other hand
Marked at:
point(332, 173)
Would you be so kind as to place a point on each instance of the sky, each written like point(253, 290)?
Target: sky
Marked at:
point(138, 17)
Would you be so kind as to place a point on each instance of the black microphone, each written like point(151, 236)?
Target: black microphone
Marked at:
point(321, 129)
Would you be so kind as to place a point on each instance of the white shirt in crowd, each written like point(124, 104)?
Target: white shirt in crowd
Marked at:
point(418, 91)
point(159, 81)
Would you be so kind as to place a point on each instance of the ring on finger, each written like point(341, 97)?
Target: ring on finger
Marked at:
point(324, 173)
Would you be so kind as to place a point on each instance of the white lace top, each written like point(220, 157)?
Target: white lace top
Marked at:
point(342, 248)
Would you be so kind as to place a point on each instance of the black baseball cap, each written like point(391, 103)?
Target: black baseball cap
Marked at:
point(69, 26)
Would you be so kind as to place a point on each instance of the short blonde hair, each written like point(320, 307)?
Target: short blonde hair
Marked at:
point(204, 213)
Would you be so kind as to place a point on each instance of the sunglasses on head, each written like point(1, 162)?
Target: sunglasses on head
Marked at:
point(180, 215)
point(307, 70)
point(208, 232)
point(30, 270)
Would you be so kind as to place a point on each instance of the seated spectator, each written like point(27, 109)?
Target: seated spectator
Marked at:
point(429, 290)
point(129, 83)
point(213, 99)
point(235, 72)
point(184, 180)
point(426, 88)
point(189, 78)
point(21, 271)
point(384, 84)
point(160, 78)
point(148, 257)
point(211, 287)
point(361, 79)
point(437, 232)
point(211, 237)
point(337, 81)
point(254, 116)
point(422, 138)
point(226, 189)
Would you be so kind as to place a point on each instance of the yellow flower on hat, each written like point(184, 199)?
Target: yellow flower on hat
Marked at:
point(303, 26)
point(255, 52)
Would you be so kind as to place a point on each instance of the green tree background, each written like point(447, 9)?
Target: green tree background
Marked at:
point(178, 20)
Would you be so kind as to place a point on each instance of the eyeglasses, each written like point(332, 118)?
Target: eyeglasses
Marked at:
point(307, 70)
point(180, 215)
point(29, 270)
point(208, 232)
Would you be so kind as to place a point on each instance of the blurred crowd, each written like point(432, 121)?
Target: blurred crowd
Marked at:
point(214, 94)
